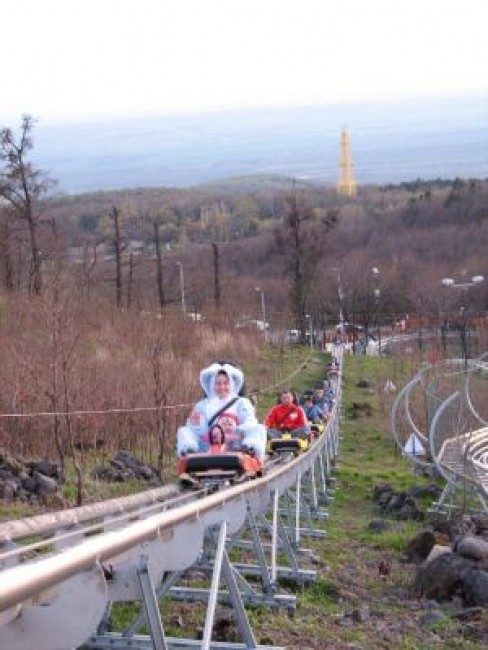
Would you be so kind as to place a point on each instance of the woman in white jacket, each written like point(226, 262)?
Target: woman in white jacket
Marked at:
point(222, 383)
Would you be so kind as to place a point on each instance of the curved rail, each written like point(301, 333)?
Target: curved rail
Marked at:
point(481, 363)
point(458, 449)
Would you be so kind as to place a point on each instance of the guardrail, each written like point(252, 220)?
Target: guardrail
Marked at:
point(63, 599)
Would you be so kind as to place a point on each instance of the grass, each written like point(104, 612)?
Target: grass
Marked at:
point(347, 560)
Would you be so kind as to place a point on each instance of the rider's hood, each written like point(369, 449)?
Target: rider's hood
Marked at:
point(208, 376)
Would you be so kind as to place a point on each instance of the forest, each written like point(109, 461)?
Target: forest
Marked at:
point(97, 289)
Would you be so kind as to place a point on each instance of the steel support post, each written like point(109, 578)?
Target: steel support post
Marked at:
point(290, 573)
point(268, 583)
point(168, 581)
point(214, 587)
point(151, 606)
point(274, 536)
point(268, 597)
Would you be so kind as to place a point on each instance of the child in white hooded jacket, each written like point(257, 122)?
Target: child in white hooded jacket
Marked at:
point(222, 383)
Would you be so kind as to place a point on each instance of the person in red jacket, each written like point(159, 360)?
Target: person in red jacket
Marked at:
point(286, 416)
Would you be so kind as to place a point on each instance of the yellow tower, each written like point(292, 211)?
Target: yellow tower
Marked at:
point(347, 185)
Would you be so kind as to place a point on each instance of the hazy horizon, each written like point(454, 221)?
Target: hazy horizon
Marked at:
point(390, 142)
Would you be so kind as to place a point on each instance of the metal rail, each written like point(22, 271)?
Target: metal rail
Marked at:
point(22, 582)
point(51, 521)
point(129, 562)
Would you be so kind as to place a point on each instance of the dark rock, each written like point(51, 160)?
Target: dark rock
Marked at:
point(396, 502)
point(475, 585)
point(410, 511)
point(453, 528)
point(360, 409)
point(379, 525)
point(361, 615)
point(29, 484)
point(420, 546)
point(400, 504)
point(431, 617)
point(467, 613)
point(54, 501)
point(45, 484)
point(225, 628)
point(385, 499)
point(380, 489)
point(436, 551)
point(481, 524)
point(363, 383)
point(10, 463)
point(443, 577)
point(125, 467)
point(47, 468)
point(127, 459)
point(99, 471)
point(124, 476)
point(475, 548)
point(419, 491)
point(146, 473)
point(9, 490)
point(117, 464)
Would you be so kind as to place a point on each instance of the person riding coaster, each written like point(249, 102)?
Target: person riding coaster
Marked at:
point(314, 414)
point(220, 463)
point(222, 430)
point(287, 426)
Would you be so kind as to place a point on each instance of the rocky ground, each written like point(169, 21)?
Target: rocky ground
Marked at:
point(373, 589)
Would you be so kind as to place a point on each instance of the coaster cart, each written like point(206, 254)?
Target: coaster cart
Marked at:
point(285, 444)
point(316, 429)
point(218, 467)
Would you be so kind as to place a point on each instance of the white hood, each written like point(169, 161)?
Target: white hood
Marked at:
point(208, 375)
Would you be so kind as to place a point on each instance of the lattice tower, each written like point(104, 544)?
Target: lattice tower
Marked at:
point(347, 185)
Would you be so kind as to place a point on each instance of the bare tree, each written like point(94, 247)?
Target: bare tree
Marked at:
point(215, 249)
point(300, 241)
point(6, 251)
point(159, 262)
point(160, 399)
point(22, 187)
point(118, 248)
point(88, 265)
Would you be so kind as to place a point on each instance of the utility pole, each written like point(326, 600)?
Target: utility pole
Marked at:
point(182, 287)
point(464, 286)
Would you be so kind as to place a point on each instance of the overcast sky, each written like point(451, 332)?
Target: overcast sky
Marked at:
point(96, 58)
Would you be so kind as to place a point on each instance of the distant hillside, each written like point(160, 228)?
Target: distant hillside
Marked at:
point(391, 142)
point(257, 182)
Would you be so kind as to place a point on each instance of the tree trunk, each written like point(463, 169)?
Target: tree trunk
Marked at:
point(160, 401)
point(8, 270)
point(35, 282)
point(118, 255)
point(216, 275)
point(159, 262)
point(131, 279)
